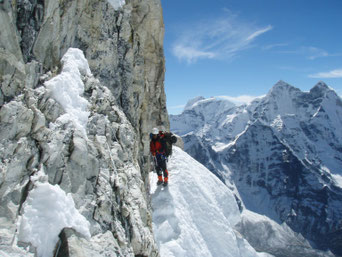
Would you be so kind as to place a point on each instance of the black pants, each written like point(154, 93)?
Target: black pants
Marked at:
point(161, 166)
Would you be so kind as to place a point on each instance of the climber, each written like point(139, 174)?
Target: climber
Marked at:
point(157, 148)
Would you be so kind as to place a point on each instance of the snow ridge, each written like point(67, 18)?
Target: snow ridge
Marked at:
point(196, 214)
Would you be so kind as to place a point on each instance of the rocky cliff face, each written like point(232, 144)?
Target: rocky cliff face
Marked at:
point(281, 154)
point(103, 164)
point(124, 49)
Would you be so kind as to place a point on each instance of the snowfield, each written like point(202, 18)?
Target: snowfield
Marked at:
point(196, 214)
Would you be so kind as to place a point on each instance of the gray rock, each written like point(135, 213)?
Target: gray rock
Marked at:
point(105, 169)
point(180, 142)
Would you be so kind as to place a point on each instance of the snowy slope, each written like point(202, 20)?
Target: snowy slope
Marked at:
point(196, 214)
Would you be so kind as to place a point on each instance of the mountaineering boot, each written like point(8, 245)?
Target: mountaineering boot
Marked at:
point(166, 180)
point(160, 180)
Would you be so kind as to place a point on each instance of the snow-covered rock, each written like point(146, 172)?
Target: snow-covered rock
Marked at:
point(122, 41)
point(81, 88)
point(281, 154)
point(117, 3)
point(46, 211)
point(94, 185)
point(280, 240)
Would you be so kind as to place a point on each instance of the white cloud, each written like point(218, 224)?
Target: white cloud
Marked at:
point(191, 54)
point(242, 99)
point(259, 32)
point(217, 38)
point(330, 74)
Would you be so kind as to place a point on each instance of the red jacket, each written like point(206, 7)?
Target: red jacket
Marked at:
point(156, 147)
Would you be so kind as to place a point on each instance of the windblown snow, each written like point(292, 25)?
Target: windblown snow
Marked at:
point(196, 213)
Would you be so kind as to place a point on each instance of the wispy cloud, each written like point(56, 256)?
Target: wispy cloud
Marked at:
point(309, 52)
point(218, 38)
point(259, 32)
point(329, 74)
point(191, 54)
point(242, 99)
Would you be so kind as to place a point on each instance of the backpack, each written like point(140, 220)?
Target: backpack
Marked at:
point(168, 139)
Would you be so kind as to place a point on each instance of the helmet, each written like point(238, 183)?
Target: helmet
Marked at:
point(155, 131)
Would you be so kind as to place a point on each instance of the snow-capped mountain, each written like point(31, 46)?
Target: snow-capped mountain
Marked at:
point(281, 154)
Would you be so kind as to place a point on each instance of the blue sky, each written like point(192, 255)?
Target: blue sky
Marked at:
point(241, 48)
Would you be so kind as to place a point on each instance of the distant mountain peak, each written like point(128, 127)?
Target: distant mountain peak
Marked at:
point(211, 106)
point(192, 101)
point(281, 86)
point(322, 84)
point(282, 83)
point(320, 89)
